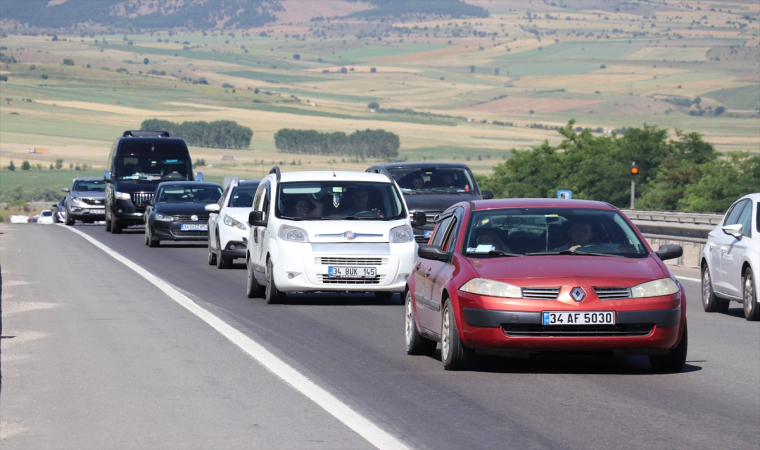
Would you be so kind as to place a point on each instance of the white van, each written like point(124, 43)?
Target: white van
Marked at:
point(329, 231)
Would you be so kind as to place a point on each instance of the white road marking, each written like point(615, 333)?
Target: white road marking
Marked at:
point(301, 383)
point(696, 280)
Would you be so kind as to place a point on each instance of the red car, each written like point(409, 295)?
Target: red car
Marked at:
point(523, 276)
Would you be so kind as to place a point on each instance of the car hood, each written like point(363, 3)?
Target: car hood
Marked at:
point(336, 230)
point(88, 194)
point(182, 209)
point(565, 270)
point(436, 203)
point(240, 214)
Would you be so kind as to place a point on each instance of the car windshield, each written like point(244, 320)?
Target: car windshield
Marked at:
point(46, 213)
point(242, 196)
point(336, 200)
point(564, 231)
point(150, 167)
point(437, 180)
point(89, 185)
point(188, 194)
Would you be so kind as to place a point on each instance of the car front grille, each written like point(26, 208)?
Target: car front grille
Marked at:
point(188, 219)
point(178, 233)
point(612, 293)
point(140, 199)
point(325, 279)
point(340, 261)
point(540, 293)
point(538, 330)
point(93, 201)
point(421, 239)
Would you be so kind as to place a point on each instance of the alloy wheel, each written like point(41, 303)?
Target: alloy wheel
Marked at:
point(409, 321)
point(446, 335)
point(749, 295)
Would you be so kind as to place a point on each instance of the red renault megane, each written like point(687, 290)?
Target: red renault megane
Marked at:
point(525, 276)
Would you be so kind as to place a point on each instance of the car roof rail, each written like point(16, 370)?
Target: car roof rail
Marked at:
point(276, 170)
point(145, 133)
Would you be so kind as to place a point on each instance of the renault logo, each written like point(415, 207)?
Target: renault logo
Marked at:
point(577, 294)
point(194, 218)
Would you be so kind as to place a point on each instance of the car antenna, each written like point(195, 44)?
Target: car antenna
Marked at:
point(331, 168)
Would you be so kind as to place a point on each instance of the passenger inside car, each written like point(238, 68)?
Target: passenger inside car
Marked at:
point(308, 207)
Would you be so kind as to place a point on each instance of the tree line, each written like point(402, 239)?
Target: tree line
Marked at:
point(361, 143)
point(681, 172)
point(218, 134)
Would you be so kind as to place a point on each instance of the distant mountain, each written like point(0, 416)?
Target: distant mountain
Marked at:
point(145, 14)
point(398, 9)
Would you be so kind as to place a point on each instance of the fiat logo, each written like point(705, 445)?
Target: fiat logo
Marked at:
point(349, 235)
point(577, 294)
point(194, 218)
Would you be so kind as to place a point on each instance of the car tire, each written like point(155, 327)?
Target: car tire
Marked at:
point(271, 294)
point(152, 240)
point(221, 261)
point(252, 287)
point(108, 224)
point(710, 301)
point(749, 294)
point(415, 343)
point(675, 359)
point(115, 227)
point(211, 256)
point(454, 354)
point(69, 220)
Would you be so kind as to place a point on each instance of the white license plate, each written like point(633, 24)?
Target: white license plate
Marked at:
point(578, 318)
point(351, 272)
point(194, 227)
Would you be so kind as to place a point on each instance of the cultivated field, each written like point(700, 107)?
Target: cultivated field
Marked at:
point(529, 63)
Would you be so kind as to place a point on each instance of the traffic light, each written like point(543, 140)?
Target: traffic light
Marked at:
point(634, 169)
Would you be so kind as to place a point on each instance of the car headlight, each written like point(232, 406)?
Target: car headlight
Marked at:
point(229, 221)
point(402, 234)
point(121, 196)
point(656, 288)
point(163, 217)
point(293, 234)
point(491, 288)
point(77, 200)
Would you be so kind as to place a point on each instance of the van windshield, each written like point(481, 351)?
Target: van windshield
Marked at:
point(339, 200)
point(435, 180)
point(151, 167)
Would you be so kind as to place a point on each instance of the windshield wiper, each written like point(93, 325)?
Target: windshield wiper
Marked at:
point(290, 218)
point(571, 252)
point(494, 253)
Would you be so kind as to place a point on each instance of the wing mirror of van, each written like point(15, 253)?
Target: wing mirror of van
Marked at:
point(669, 251)
point(418, 218)
point(212, 208)
point(107, 177)
point(487, 195)
point(255, 219)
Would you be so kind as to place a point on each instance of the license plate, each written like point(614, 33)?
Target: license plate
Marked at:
point(351, 272)
point(578, 318)
point(194, 227)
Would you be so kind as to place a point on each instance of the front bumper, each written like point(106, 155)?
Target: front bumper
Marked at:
point(232, 236)
point(126, 213)
point(303, 267)
point(87, 212)
point(172, 231)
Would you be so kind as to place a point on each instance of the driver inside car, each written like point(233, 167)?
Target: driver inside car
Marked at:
point(360, 202)
point(579, 234)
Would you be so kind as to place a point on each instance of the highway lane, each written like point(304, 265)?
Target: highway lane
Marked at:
point(352, 345)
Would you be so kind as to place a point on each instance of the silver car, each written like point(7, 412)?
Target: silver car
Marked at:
point(731, 259)
point(85, 200)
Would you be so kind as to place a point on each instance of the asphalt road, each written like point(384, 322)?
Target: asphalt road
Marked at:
point(94, 356)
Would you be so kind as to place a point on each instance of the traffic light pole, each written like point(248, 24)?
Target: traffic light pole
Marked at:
point(633, 188)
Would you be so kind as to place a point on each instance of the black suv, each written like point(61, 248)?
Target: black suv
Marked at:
point(138, 162)
point(432, 187)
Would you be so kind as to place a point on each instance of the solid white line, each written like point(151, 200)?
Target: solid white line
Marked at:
point(697, 280)
point(301, 383)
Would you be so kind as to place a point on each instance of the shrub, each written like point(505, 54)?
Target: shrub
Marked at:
point(25, 165)
point(44, 76)
point(11, 166)
point(372, 70)
point(296, 56)
point(68, 62)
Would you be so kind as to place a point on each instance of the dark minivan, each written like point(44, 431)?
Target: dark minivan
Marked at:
point(432, 187)
point(138, 162)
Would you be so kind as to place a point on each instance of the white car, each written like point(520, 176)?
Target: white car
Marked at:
point(46, 217)
point(731, 259)
point(227, 223)
point(19, 219)
point(329, 232)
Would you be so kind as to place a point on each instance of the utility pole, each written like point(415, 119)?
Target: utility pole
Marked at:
point(634, 172)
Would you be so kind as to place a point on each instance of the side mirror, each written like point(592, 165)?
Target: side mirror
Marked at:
point(199, 176)
point(255, 219)
point(212, 208)
point(669, 251)
point(734, 230)
point(65, 189)
point(107, 177)
point(54, 205)
point(418, 218)
point(487, 195)
point(433, 252)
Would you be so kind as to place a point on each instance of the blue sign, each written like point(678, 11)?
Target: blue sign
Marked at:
point(565, 195)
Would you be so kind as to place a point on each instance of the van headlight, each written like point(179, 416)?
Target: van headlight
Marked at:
point(163, 217)
point(121, 196)
point(293, 234)
point(656, 288)
point(229, 221)
point(491, 288)
point(401, 234)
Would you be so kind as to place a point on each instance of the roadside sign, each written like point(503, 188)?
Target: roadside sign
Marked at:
point(565, 195)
